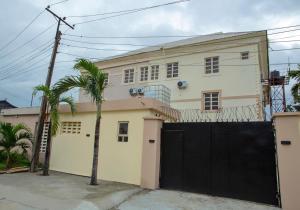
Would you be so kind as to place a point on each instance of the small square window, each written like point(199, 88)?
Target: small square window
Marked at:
point(211, 65)
point(172, 70)
point(211, 101)
point(244, 55)
point(129, 76)
point(123, 132)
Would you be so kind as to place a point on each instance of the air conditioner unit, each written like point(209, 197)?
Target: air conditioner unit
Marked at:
point(133, 91)
point(140, 91)
point(182, 84)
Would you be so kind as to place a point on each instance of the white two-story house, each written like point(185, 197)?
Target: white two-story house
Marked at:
point(209, 73)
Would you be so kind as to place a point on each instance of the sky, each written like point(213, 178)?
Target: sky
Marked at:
point(24, 62)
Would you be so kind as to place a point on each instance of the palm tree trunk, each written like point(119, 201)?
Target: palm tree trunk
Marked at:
point(8, 160)
point(48, 152)
point(96, 146)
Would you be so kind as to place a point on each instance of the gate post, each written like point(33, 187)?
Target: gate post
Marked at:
point(151, 152)
point(287, 127)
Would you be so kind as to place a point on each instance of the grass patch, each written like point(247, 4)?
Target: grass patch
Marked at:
point(2, 166)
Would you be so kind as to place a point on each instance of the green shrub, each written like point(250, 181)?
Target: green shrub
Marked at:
point(19, 160)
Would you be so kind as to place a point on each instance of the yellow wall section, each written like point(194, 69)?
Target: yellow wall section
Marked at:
point(118, 161)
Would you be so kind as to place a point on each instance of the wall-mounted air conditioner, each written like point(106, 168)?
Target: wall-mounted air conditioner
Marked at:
point(182, 84)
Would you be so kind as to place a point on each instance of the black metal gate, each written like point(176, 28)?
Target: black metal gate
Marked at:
point(229, 159)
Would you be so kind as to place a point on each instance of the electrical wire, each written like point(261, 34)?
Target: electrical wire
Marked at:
point(23, 30)
point(132, 11)
point(17, 60)
point(29, 41)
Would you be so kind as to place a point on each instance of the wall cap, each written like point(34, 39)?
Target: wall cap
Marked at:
point(153, 118)
point(286, 114)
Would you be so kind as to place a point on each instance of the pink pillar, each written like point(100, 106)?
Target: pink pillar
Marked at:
point(151, 152)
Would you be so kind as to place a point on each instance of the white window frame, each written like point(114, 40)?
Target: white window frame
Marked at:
point(144, 74)
point(123, 136)
point(131, 70)
point(213, 103)
point(245, 55)
point(212, 65)
point(154, 72)
point(171, 68)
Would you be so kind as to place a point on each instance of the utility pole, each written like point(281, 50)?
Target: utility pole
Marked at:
point(42, 115)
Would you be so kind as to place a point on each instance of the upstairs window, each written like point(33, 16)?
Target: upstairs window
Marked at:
point(129, 76)
point(154, 72)
point(244, 55)
point(211, 65)
point(211, 101)
point(172, 70)
point(144, 73)
point(123, 132)
point(106, 79)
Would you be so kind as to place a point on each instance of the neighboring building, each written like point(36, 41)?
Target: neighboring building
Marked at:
point(4, 104)
point(210, 73)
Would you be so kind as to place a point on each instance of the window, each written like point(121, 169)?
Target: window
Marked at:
point(44, 137)
point(71, 127)
point(172, 70)
point(154, 72)
point(212, 65)
point(129, 76)
point(106, 79)
point(123, 132)
point(244, 55)
point(211, 101)
point(144, 73)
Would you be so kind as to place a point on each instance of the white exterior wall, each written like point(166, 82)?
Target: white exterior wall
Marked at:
point(239, 81)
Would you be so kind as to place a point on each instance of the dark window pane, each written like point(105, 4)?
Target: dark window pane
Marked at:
point(123, 128)
point(120, 138)
point(125, 138)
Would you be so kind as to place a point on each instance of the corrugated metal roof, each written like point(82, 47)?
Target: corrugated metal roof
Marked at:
point(188, 41)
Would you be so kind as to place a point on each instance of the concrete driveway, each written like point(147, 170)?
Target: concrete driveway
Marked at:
point(27, 191)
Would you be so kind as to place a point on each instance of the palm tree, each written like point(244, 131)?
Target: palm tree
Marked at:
point(54, 99)
point(295, 74)
point(14, 139)
point(92, 81)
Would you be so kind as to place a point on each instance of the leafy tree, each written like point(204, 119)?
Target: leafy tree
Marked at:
point(14, 139)
point(54, 99)
point(295, 74)
point(92, 81)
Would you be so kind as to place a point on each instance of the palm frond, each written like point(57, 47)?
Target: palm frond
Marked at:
point(70, 101)
point(19, 127)
point(87, 66)
point(42, 88)
point(294, 91)
point(69, 82)
point(295, 74)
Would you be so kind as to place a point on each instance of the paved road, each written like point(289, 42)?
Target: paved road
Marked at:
point(60, 191)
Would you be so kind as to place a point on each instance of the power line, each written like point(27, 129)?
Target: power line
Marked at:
point(133, 11)
point(26, 43)
point(20, 58)
point(14, 71)
point(59, 2)
point(22, 31)
point(103, 43)
point(128, 10)
point(92, 48)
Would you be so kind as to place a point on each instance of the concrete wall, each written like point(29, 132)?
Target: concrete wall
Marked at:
point(118, 161)
point(28, 120)
point(288, 129)
point(239, 80)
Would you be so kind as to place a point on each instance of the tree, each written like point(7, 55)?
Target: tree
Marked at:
point(295, 74)
point(92, 81)
point(14, 139)
point(54, 99)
